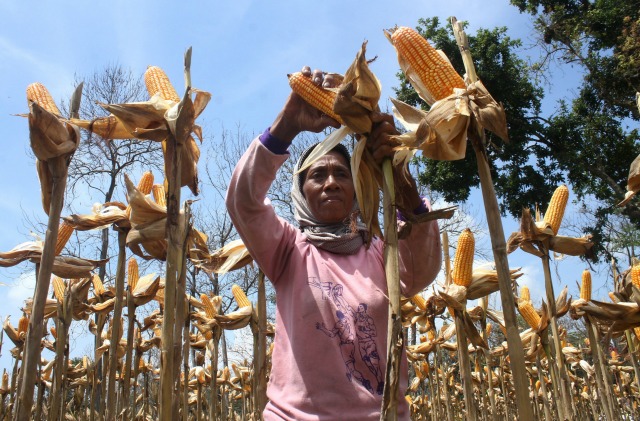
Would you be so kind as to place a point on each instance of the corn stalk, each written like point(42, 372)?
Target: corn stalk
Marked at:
point(496, 232)
point(116, 324)
point(58, 167)
point(395, 340)
point(260, 351)
point(175, 257)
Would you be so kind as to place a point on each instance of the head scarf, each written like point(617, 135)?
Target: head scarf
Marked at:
point(343, 238)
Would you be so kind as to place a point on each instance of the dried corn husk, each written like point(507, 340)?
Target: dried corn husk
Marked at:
point(102, 216)
point(50, 138)
point(21, 252)
point(633, 181)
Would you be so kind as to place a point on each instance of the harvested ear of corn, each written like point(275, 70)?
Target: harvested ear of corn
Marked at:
point(585, 286)
point(429, 71)
point(39, 94)
point(240, 296)
point(463, 262)
point(555, 212)
point(316, 96)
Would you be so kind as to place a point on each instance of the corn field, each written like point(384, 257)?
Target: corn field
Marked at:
point(466, 362)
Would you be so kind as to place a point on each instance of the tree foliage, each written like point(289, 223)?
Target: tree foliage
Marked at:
point(587, 141)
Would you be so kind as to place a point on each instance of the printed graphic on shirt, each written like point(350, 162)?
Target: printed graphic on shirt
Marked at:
point(351, 328)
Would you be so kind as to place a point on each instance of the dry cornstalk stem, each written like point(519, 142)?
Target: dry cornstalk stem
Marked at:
point(496, 232)
point(181, 308)
point(464, 365)
point(62, 328)
point(599, 363)
point(543, 387)
point(173, 154)
point(31, 356)
point(116, 325)
point(558, 359)
point(389, 411)
point(260, 364)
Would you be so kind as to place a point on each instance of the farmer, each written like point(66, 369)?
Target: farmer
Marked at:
point(322, 267)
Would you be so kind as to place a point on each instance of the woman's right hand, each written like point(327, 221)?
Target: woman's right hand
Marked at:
point(298, 116)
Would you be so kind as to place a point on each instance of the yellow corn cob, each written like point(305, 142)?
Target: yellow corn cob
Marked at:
point(556, 208)
point(146, 182)
point(463, 261)
point(488, 329)
point(240, 296)
point(208, 335)
point(320, 98)
point(64, 233)
point(23, 324)
point(525, 294)
point(37, 92)
point(613, 297)
point(614, 355)
point(636, 330)
point(159, 195)
point(54, 332)
point(431, 334)
point(157, 82)
point(635, 275)
point(585, 287)
point(132, 273)
point(529, 314)
point(98, 286)
point(209, 308)
point(58, 288)
point(419, 301)
point(409, 399)
point(435, 72)
point(538, 384)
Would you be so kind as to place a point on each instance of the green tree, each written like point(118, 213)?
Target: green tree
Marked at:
point(585, 142)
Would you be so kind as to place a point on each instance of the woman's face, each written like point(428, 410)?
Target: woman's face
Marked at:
point(328, 188)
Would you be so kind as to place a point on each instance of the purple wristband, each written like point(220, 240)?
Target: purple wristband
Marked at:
point(275, 145)
point(417, 211)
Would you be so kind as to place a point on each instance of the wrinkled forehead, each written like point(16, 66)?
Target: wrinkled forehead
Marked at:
point(331, 158)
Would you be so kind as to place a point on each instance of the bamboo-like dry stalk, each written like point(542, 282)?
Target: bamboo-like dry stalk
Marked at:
point(496, 232)
point(465, 367)
point(116, 324)
point(389, 411)
point(260, 360)
point(31, 356)
point(558, 360)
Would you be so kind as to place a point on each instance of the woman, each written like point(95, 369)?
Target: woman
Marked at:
point(329, 352)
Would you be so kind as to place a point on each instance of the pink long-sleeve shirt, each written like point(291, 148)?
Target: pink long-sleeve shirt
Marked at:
point(329, 353)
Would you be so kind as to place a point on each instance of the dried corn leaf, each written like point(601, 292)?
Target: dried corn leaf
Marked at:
point(488, 113)
point(106, 127)
point(50, 137)
point(102, 216)
point(358, 95)
point(21, 252)
point(485, 282)
point(145, 289)
point(633, 181)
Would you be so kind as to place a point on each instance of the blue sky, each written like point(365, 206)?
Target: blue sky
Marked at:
point(242, 51)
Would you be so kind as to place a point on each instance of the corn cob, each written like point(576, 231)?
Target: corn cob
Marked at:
point(434, 71)
point(529, 314)
point(636, 330)
point(613, 297)
point(209, 308)
point(157, 82)
point(635, 275)
point(556, 208)
point(39, 94)
point(320, 98)
point(419, 301)
point(64, 233)
point(58, 288)
point(159, 194)
point(240, 296)
point(146, 183)
point(98, 286)
point(525, 294)
point(54, 332)
point(488, 329)
point(132, 273)
point(23, 324)
point(431, 334)
point(614, 355)
point(585, 287)
point(463, 260)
